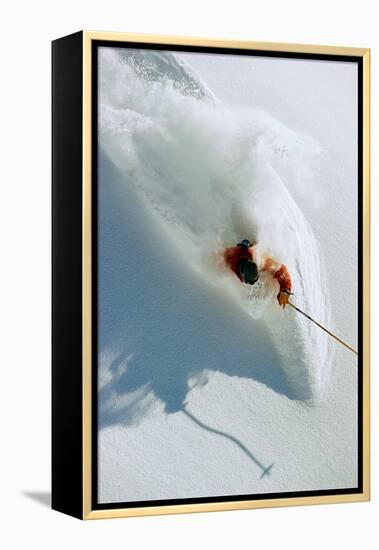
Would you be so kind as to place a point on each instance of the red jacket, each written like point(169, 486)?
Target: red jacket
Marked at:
point(279, 271)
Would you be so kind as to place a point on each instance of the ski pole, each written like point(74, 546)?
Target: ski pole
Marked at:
point(323, 328)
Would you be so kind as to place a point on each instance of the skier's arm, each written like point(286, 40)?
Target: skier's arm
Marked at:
point(281, 274)
point(231, 258)
point(284, 278)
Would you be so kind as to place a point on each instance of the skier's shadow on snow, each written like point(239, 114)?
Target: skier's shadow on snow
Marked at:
point(166, 328)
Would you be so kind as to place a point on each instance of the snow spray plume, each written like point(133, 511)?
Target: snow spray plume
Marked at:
point(211, 176)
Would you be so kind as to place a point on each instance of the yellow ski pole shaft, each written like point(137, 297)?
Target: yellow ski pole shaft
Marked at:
point(323, 328)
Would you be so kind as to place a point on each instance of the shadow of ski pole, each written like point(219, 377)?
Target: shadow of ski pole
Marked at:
point(265, 470)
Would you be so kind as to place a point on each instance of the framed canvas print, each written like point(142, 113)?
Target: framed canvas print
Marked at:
point(210, 275)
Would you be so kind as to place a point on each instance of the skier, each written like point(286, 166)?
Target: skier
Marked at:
point(243, 260)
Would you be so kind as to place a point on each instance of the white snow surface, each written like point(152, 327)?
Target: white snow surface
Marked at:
point(203, 392)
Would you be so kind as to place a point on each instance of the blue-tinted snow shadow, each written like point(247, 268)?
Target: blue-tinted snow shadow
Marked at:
point(166, 325)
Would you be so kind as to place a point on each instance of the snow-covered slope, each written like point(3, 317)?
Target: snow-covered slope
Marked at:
point(202, 390)
point(206, 171)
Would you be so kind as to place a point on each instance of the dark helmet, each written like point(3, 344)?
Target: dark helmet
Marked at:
point(248, 271)
point(245, 243)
